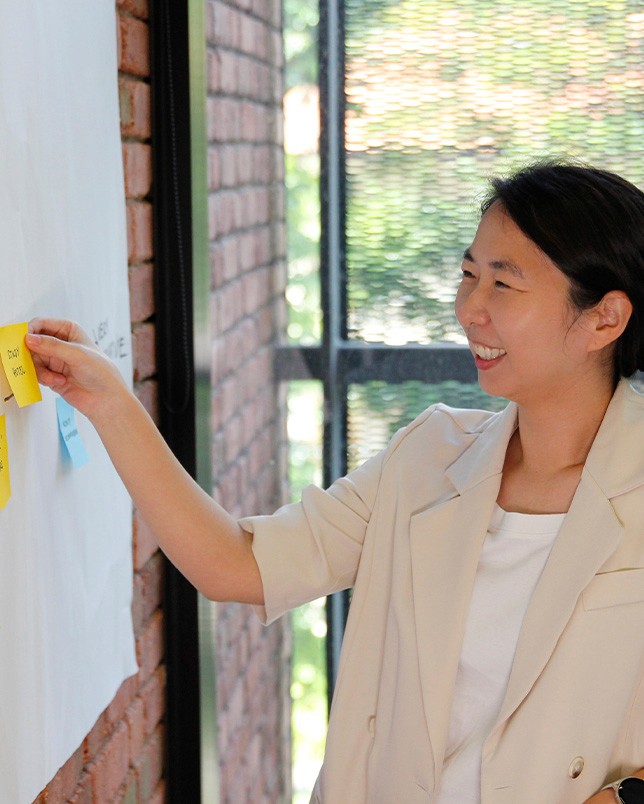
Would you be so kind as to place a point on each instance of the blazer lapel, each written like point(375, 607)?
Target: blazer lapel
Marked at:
point(589, 534)
point(445, 544)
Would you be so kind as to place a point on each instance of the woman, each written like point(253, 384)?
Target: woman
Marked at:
point(494, 649)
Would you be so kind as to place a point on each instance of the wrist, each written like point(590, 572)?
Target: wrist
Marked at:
point(628, 790)
point(113, 407)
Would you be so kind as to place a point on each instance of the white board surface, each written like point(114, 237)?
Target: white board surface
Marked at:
point(66, 640)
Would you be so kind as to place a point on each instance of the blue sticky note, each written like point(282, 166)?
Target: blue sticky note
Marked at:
point(69, 433)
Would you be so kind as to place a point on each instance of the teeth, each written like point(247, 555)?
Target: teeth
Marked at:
point(486, 353)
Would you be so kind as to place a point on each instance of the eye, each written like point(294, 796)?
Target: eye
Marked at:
point(501, 285)
point(466, 274)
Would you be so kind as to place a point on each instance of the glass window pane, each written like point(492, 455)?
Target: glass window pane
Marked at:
point(442, 94)
point(308, 673)
point(376, 410)
point(302, 171)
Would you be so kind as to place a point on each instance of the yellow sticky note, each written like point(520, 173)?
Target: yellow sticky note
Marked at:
point(5, 389)
point(5, 484)
point(18, 365)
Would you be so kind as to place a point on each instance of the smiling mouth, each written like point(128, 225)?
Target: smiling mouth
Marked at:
point(486, 352)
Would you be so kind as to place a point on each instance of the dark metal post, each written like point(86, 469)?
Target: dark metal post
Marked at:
point(175, 366)
point(333, 280)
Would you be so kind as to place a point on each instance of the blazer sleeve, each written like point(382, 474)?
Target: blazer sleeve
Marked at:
point(312, 548)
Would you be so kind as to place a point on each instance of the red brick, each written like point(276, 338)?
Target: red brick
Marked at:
point(223, 25)
point(129, 792)
point(65, 782)
point(96, 737)
point(137, 167)
point(125, 695)
point(264, 84)
point(152, 577)
point(159, 795)
point(137, 605)
point(244, 158)
point(134, 105)
point(232, 258)
point(149, 645)
point(149, 764)
point(109, 768)
point(135, 722)
point(139, 231)
point(140, 280)
point(134, 48)
point(144, 345)
point(247, 239)
point(138, 8)
point(223, 119)
point(147, 392)
point(228, 166)
point(84, 793)
point(247, 71)
point(153, 696)
point(260, 164)
point(145, 545)
point(213, 170)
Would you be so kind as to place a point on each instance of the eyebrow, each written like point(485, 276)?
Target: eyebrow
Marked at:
point(498, 265)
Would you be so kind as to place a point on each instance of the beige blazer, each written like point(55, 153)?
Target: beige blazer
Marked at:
point(405, 530)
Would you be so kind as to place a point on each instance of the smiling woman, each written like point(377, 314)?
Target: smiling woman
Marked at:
point(496, 559)
point(529, 339)
point(589, 223)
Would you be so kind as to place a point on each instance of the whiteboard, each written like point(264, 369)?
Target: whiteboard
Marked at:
point(66, 639)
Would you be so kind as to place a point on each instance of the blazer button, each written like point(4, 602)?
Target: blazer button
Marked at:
point(576, 767)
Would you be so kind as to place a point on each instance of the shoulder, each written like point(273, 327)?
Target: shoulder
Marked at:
point(443, 417)
point(443, 426)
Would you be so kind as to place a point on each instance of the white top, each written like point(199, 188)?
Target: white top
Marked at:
point(512, 559)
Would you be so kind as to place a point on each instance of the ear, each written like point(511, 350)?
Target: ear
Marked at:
point(610, 317)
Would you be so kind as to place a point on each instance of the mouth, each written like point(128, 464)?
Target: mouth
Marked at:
point(486, 356)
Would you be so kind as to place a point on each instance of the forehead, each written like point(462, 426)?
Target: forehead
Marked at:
point(500, 244)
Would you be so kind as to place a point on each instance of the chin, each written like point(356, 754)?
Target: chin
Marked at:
point(492, 388)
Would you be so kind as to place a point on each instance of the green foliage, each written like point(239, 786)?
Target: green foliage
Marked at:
point(378, 409)
point(300, 41)
point(442, 94)
point(303, 233)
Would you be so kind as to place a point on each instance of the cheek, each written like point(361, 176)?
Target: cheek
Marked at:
point(458, 304)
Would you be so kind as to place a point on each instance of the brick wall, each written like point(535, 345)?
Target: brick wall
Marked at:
point(247, 253)
point(121, 759)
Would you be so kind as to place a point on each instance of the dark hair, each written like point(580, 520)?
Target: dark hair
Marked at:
point(591, 224)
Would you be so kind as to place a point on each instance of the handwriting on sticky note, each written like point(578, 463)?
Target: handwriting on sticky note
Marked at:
point(5, 389)
point(71, 438)
point(5, 482)
point(18, 366)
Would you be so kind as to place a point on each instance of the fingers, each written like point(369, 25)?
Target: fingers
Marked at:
point(60, 328)
point(51, 347)
point(56, 341)
point(51, 379)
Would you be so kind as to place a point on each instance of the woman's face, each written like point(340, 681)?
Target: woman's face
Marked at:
point(528, 342)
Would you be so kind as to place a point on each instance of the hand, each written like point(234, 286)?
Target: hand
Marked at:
point(68, 362)
point(197, 535)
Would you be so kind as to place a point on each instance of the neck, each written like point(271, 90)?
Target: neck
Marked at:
point(557, 433)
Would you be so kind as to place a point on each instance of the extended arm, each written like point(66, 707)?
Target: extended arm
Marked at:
point(198, 536)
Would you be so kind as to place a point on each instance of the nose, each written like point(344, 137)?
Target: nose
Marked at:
point(471, 306)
